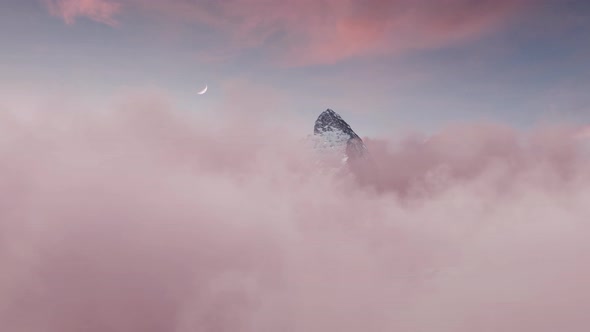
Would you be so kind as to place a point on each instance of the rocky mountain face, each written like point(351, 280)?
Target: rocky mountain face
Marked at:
point(340, 147)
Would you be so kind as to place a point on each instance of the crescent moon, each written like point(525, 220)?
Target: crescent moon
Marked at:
point(202, 91)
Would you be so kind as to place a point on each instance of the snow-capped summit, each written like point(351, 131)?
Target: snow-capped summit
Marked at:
point(340, 148)
point(331, 121)
point(338, 134)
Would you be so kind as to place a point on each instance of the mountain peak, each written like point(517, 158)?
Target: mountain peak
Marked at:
point(331, 121)
point(337, 133)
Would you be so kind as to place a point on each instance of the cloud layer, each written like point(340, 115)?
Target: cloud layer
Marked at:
point(144, 218)
point(307, 32)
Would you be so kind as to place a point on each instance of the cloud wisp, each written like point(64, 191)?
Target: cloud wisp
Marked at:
point(102, 11)
point(301, 33)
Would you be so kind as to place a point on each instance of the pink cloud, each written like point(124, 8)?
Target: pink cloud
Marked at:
point(327, 31)
point(305, 32)
point(101, 11)
point(144, 218)
point(583, 133)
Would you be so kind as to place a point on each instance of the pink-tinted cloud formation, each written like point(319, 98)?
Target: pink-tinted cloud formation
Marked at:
point(326, 31)
point(143, 218)
point(304, 32)
point(98, 10)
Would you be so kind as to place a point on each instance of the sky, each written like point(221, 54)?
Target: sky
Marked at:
point(128, 202)
point(386, 66)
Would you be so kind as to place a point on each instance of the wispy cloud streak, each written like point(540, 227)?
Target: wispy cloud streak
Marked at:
point(306, 32)
point(102, 11)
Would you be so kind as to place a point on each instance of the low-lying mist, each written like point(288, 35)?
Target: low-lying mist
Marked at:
point(146, 218)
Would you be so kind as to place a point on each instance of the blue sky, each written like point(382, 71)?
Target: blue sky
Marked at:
point(384, 65)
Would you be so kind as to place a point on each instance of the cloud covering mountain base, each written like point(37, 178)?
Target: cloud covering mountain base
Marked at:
point(150, 219)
